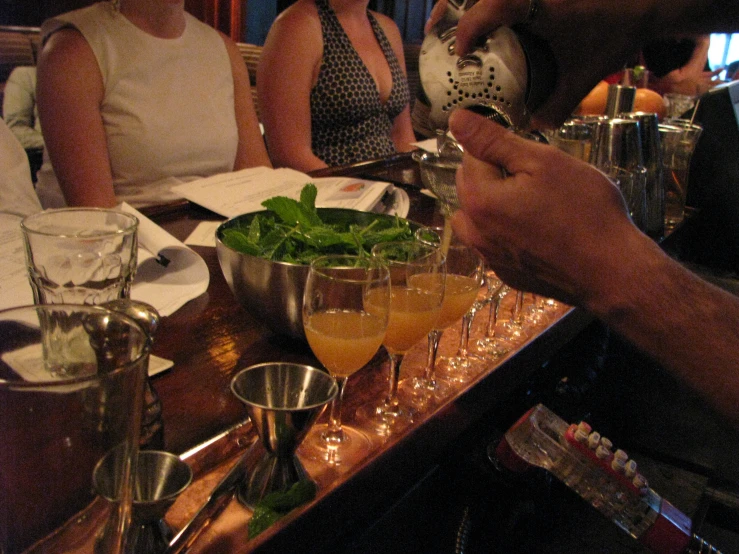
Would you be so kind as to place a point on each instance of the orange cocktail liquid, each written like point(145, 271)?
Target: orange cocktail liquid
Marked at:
point(460, 292)
point(413, 313)
point(344, 341)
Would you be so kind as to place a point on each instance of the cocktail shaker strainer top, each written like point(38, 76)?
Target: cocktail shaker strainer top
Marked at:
point(509, 73)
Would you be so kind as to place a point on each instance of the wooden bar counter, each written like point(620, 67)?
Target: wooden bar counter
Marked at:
point(212, 337)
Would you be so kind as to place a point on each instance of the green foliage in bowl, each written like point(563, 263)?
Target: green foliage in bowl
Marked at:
point(296, 232)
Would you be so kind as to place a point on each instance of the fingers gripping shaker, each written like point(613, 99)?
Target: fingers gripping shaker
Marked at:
point(509, 73)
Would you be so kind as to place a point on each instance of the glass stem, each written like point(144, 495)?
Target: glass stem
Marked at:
point(517, 313)
point(391, 402)
point(429, 373)
point(493, 318)
point(464, 338)
point(334, 420)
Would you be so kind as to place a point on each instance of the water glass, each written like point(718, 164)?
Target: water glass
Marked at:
point(80, 255)
point(59, 416)
point(678, 138)
point(574, 136)
point(678, 104)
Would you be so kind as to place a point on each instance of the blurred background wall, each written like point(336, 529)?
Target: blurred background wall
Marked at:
point(242, 20)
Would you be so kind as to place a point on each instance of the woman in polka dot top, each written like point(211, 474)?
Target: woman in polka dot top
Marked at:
point(332, 86)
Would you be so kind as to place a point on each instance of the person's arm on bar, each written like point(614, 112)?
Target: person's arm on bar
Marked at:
point(558, 227)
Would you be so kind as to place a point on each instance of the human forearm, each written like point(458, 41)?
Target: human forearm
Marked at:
point(556, 226)
point(686, 324)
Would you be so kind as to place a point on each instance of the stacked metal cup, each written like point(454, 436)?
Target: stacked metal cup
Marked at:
point(652, 158)
point(617, 151)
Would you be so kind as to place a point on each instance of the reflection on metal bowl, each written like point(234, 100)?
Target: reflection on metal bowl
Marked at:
point(272, 292)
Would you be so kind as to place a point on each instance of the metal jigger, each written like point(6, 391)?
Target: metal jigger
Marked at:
point(160, 478)
point(152, 429)
point(283, 400)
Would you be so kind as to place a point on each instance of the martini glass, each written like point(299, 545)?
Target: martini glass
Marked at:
point(515, 327)
point(417, 275)
point(344, 334)
point(463, 275)
point(494, 344)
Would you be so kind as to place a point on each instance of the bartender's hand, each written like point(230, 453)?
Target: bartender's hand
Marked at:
point(589, 39)
point(553, 225)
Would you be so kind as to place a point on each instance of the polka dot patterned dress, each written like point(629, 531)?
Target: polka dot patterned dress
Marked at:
point(349, 123)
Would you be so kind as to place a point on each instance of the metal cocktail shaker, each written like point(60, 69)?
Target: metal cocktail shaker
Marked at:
point(508, 74)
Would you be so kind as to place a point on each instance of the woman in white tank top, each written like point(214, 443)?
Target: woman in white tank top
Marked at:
point(137, 96)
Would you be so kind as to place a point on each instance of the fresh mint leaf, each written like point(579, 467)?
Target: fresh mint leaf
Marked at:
point(292, 212)
point(308, 197)
point(276, 504)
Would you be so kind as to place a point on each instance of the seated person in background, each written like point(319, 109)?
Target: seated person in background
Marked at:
point(19, 107)
point(138, 96)
point(332, 74)
point(681, 65)
point(17, 196)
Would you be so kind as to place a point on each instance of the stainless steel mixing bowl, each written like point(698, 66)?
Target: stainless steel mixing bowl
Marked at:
point(272, 292)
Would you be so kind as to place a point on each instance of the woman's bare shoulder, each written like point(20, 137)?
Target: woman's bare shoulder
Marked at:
point(65, 42)
point(301, 18)
point(297, 30)
point(389, 27)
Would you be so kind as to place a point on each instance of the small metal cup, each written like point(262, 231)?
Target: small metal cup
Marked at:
point(620, 100)
point(160, 478)
point(652, 157)
point(283, 401)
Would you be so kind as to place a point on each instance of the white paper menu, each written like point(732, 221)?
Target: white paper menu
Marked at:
point(168, 274)
point(240, 192)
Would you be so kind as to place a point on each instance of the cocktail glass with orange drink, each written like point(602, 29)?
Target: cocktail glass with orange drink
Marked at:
point(345, 316)
point(464, 276)
point(417, 276)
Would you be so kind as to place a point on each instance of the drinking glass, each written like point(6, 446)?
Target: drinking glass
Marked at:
point(463, 281)
point(345, 316)
point(574, 136)
point(71, 392)
point(80, 255)
point(417, 278)
point(493, 344)
point(679, 139)
point(515, 327)
point(88, 256)
point(465, 276)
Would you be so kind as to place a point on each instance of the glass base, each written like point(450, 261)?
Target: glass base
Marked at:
point(346, 448)
point(492, 348)
point(383, 419)
point(422, 394)
point(536, 316)
point(458, 369)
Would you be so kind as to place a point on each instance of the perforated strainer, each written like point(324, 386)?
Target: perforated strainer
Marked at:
point(495, 77)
